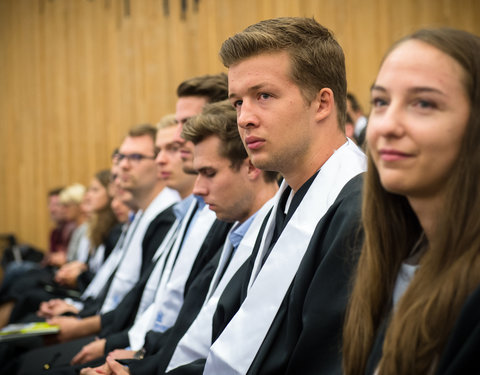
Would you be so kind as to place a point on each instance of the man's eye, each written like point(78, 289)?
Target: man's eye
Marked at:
point(136, 157)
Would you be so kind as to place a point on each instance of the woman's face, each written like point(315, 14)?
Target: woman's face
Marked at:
point(97, 197)
point(420, 109)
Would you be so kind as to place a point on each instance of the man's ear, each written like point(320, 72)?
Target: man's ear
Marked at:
point(252, 171)
point(324, 104)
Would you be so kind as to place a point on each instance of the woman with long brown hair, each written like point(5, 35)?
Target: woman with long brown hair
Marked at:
point(415, 305)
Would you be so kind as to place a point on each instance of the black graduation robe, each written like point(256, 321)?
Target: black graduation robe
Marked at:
point(305, 336)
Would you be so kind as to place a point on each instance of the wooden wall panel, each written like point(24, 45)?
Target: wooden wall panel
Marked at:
point(76, 74)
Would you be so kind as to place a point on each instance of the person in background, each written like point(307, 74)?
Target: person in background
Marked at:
point(354, 110)
point(415, 303)
point(71, 199)
point(100, 237)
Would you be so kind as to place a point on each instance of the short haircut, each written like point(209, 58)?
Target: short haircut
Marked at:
point(220, 119)
point(167, 121)
point(212, 87)
point(55, 191)
point(317, 60)
point(143, 129)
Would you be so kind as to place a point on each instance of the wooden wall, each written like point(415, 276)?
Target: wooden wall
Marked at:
point(76, 74)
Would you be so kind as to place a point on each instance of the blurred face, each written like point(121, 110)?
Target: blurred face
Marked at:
point(223, 188)
point(73, 211)
point(96, 196)
point(120, 209)
point(56, 209)
point(272, 115)
point(187, 106)
point(170, 163)
point(419, 114)
point(137, 176)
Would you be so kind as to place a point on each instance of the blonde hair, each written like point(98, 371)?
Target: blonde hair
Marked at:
point(72, 194)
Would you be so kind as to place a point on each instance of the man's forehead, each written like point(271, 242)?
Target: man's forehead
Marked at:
point(166, 136)
point(188, 106)
point(136, 143)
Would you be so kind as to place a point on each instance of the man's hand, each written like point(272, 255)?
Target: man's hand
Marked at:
point(103, 369)
point(56, 259)
point(67, 275)
point(89, 352)
point(69, 327)
point(55, 307)
point(117, 368)
point(112, 367)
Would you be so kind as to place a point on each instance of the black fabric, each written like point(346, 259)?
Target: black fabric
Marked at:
point(305, 336)
point(117, 331)
point(156, 232)
point(116, 323)
point(161, 346)
point(59, 355)
point(460, 355)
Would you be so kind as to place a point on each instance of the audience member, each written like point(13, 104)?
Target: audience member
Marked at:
point(354, 110)
point(414, 307)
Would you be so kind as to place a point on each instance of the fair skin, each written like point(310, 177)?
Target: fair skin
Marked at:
point(140, 178)
point(187, 106)
point(223, 187)
point(419, 115)
point(170, 163)
point(56, 209)
point(280, 130)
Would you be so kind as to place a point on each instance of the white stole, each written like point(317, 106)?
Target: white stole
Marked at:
point(97, 258)
point(128, 271)
point(235, 349)
point(159, 258)
point(163, 312)
point(83, 248)
point(197, 340)
point(105, 271)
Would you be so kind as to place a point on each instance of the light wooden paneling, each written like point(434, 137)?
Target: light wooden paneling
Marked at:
point(76, 74)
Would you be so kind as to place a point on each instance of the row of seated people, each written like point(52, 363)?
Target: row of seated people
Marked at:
point(87, 226)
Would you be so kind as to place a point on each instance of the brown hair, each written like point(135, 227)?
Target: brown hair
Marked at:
point(143, 129)
point(448, 271)
point(104, 220)
point(213, 87)
point(220, 119)
point(317, 60)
